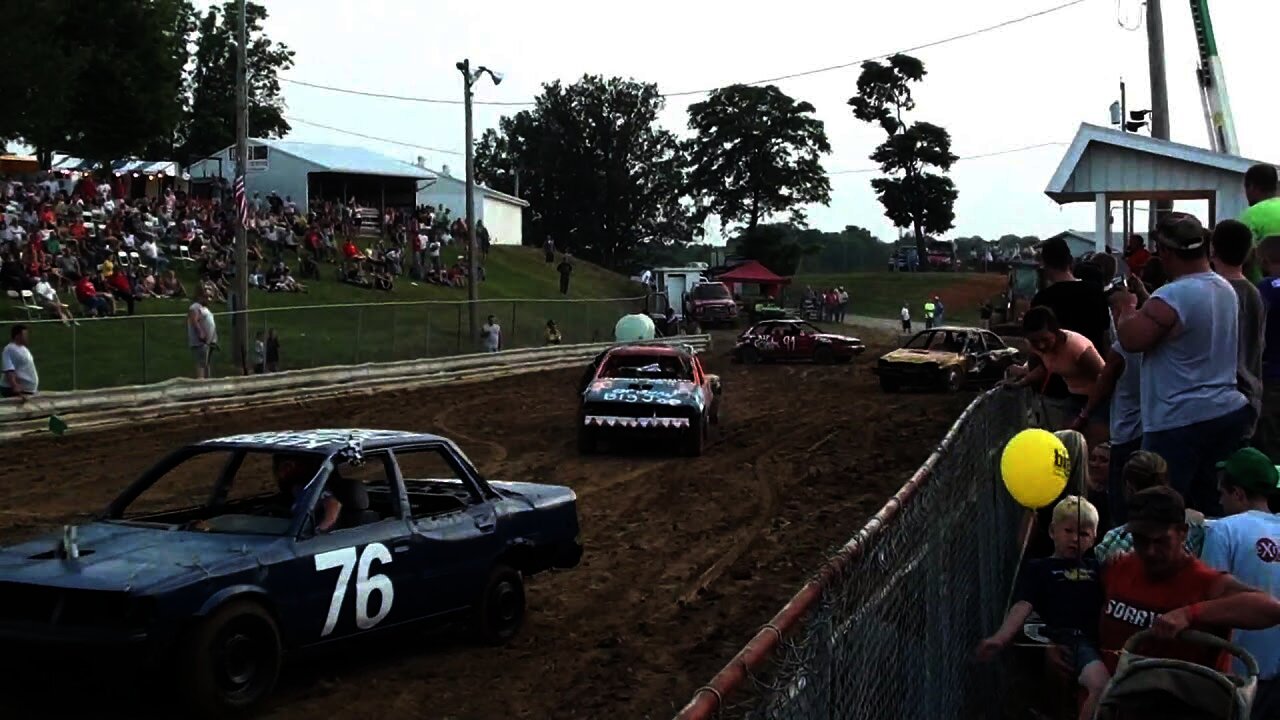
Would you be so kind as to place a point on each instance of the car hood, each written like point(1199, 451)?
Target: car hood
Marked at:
point(842, 339)
point(904, 355)
point(712, 301)
point(124, 558)
point(653, 392)
point(536, 494)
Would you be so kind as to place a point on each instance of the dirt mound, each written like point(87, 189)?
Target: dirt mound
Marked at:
point(685, 558)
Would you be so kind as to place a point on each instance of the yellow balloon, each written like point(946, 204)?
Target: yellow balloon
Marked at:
point(1034, 466)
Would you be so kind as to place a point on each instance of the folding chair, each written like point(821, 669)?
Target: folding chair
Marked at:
point(123, 258)
point(134, 258)
point(29, 304)
point(184, 253)
point(16, 300)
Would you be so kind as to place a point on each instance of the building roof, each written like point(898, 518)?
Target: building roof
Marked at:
point(1066, 185)
point(1088, 236)
point(488, 191)
point(347, 159)
point(119, 167)
point(752, 272)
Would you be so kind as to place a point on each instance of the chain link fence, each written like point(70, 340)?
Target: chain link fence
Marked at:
point(139, 349)
point(889, 626)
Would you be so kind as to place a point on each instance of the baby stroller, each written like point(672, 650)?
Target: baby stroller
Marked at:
point(1146, 687)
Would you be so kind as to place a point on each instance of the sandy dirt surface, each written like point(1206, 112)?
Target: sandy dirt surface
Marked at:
point(685, 558)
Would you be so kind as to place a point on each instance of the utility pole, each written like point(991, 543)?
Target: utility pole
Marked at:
point(1159, 93)
point(473, 261)
point(240, 297)
point(473, 252)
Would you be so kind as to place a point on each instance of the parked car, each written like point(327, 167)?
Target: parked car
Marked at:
point(232, 552)
point(948, 358)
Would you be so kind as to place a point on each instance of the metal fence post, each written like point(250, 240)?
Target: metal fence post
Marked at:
point(459, 333)
point(74, 369)
point(359, 331)
point(393, 334)
point(513, 327)
point(426, 349)
point(144, 349)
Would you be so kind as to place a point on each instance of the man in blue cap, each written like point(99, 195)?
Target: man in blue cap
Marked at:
point(1246, 543)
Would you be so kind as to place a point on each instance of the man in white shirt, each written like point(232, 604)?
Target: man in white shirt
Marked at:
point(491, 335)
point(18, 376)
point(202, 334)
point(1246, 543)
point(48, 299)
point(906, 318)
point(151, 254)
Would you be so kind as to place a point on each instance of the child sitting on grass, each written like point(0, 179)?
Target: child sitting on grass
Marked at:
point(1066, 590)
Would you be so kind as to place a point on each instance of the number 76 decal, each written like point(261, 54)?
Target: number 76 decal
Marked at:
point(366, 584)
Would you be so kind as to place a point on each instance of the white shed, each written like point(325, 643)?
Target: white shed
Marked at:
point(1103, 165)
point(503, 214)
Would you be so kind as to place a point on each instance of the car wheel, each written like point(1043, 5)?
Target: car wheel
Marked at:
point(750, 355)
point(889, 385)
point(230, 661)
point(953, 380)
point(694, 439)
point(499, 613)
point(586, 441)
point(824, 356)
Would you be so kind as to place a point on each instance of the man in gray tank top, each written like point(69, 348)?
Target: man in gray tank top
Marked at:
point(1193, 415)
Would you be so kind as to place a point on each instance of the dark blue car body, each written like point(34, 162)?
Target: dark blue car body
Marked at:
point(423, 550)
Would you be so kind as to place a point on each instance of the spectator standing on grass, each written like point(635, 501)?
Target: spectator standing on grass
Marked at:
point(1193, 414)
point(565, 268)
point(1267, 438)
point(1246, 543)
point(482, 235)
point(905, 313)
point(1263, 214)
point(549, 250)
point(202, 333)
point(273, 351)
point(18, 376)
point(1231, 243)
point(259, 354)
point(491, 335)
point(929, 310)
point(939, 311)
point(1065, 590)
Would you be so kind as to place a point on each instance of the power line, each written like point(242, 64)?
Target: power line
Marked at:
point(683, 93)
point(373, 137)
point(994, 153)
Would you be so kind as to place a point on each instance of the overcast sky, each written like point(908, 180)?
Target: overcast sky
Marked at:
point(1026, 84)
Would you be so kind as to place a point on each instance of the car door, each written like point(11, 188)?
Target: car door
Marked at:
point(805, 343)
point(358, 577)
point(455, 522)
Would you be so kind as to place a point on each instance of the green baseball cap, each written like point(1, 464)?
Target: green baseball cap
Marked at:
point(1250, 469)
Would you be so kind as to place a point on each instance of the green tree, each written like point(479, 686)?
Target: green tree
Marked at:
point(100, 79)
point(756, 153)
point(852, 249)
point(912, 196)
point(602, 174)
point(777, 246)
point(210, 121)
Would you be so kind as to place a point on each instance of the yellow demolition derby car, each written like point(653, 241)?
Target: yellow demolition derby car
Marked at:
point(949, 358)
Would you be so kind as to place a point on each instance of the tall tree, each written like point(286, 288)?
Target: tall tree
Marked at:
point(777, 246)
point(603, 176)
point(913, 196)
point(100, 79)
point(210, 122)
point(756, 153)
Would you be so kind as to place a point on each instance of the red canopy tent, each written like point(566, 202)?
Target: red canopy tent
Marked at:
point(753, 273)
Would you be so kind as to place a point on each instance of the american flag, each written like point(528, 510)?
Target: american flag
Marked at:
point(242, 202)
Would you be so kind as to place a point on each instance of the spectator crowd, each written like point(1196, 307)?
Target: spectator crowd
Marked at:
point(1170, 371)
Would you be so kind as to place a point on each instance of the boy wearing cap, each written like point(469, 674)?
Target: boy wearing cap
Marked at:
point(1064, 590)
point(1159, 586)
point(1193, 414)
point(1246, 544)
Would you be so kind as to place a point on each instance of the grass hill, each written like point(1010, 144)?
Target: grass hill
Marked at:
point(881, 294)
point(335, 323)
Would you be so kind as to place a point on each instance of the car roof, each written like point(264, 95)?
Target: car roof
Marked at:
point(322, 440)
point(665, 350)
point(951, 328)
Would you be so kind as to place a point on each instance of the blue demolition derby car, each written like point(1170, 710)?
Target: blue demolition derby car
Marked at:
point(233, 551)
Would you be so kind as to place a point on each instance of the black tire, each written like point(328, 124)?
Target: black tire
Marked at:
point(824, 356)
point(953, 379)
point(499, 612)
point(750, 355)
point(695, 438)
point(889, 385)
point(229, 663)
point(587, 441)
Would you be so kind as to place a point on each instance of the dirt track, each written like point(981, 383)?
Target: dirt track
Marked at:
point(685, 558)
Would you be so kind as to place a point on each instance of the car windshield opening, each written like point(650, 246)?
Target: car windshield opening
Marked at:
point(232, 490)
point(646, 367)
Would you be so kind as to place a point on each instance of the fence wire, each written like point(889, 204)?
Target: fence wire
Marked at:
point(894, 631)
point(139, 349)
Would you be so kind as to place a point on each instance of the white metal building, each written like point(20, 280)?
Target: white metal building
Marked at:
point(1105, 165)
point(312, 171)
point(503, 214)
